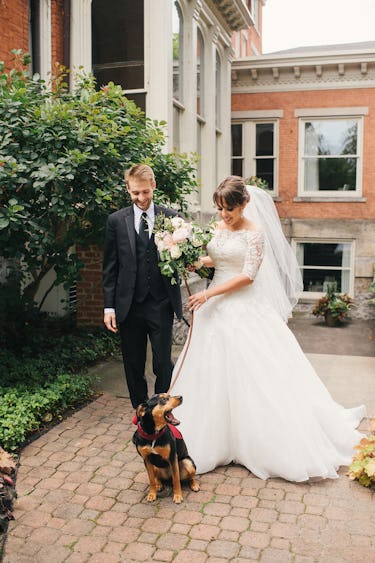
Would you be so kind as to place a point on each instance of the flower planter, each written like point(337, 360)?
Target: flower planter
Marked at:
point(330, 320)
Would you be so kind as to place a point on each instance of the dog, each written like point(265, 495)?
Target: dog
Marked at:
point(162, 447)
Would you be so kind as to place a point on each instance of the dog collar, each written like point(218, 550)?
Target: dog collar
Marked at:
point(150, 437)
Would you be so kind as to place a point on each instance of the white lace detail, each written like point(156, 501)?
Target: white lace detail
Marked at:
point(236, 252)
point(254, 255)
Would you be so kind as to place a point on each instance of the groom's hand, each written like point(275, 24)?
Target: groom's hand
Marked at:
point(110, 321)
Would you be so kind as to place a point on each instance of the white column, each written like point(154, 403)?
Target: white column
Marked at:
point(45, 24)
point(188, 123)
point(208, 163)
point(159, 63)
point(80, 37)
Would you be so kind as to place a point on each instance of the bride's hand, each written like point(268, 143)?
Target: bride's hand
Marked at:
point(198, 299)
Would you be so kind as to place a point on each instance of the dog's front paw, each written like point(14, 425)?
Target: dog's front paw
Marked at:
point(151, 497)
point(194, 485)
point(177, 499)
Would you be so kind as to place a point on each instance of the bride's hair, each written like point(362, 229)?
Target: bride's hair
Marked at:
point(232, 191)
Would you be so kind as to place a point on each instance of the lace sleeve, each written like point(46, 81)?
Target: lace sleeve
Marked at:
point(254, 254)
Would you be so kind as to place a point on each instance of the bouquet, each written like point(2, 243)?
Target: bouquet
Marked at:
point(180, 245)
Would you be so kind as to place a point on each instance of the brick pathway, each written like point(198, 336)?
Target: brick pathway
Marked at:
point(82, 493)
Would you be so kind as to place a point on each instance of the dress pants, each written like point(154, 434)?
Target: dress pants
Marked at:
point(153, 319)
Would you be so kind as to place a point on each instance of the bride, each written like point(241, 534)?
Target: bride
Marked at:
point(250, 394)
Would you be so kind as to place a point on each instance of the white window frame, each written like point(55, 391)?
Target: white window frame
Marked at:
point(314, 295)
point(249, 120)
point(321, 114)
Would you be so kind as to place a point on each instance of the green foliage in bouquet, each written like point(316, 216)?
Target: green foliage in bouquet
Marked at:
point(256, 181)
point(362, 467)
point(337, 305)
point(180, 245)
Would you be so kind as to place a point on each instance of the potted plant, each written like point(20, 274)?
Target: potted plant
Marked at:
point(333, 307)
point(362, 467)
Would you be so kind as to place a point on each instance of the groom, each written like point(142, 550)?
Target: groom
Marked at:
point(138, 300)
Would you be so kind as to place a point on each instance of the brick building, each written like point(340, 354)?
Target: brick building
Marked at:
point(173, 58)
point(289, 109)
point(304, 120)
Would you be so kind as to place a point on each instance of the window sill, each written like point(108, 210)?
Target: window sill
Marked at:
point(330, 199)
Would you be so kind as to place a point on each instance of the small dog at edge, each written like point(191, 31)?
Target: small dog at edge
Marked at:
point(162, 447)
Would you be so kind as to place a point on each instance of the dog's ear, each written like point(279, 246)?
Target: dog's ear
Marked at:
point(141, 410)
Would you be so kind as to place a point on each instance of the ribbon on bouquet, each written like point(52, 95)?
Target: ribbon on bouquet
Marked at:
point(177, 374)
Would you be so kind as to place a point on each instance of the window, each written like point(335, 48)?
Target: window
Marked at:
point(330, 153)
point(218, 91)
point(117, 46)
point(324, 263)
point(34, 35)
point(200, 73)
point(237, 150)
point(177, 47)
point(255, 150)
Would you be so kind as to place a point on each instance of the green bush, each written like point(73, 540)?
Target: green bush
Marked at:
point(44, 377)
point(62, 161)
point(23, 410)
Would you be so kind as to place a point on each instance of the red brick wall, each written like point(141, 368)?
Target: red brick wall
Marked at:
point(14, 28)
point(288, 148)
point(57, 32)
point(89, 289)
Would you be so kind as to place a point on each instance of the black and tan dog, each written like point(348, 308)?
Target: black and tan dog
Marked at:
point(162, 447)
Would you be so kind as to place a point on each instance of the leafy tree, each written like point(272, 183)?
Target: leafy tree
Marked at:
point(62, 161)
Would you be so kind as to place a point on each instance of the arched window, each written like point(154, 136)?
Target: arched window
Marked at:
point(200, 73)
point(218, 91)
point(177, 47)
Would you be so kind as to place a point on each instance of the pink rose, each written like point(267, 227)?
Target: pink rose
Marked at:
point(180, 235)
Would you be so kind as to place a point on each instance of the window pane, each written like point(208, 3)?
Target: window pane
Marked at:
point(237, 139)
point(218, 91)
point(320, 280)
point(237, 167)
point(177, 52)
point(330, 174)
point(331, 136)
point(264, 139)
point(264, 170)
point(325, 254)
point(117, 42)
point(200, 74)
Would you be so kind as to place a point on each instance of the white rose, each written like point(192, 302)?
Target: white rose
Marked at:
point(177, 222)
point(175, 251)
point(196, 242)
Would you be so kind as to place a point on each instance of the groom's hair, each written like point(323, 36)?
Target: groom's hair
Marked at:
point(232, 191)
point(141, 171)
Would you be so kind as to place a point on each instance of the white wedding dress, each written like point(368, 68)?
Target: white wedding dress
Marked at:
point(250, 395)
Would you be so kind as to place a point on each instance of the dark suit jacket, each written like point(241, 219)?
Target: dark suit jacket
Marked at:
point(120, 263)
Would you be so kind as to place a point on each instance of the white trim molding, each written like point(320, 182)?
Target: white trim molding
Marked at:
point(258, 114)
point(45, 22)
point(305, 71)
point(331, 112)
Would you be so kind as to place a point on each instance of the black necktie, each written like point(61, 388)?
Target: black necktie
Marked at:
point(143, 228)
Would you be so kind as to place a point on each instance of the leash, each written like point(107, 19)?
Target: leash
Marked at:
point(187, 342)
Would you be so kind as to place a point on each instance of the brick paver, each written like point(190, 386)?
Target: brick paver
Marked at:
point(81, 498)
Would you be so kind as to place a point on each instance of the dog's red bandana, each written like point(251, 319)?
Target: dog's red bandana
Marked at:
point(151, 437)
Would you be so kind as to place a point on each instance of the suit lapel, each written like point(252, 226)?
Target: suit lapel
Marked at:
point(129, 221)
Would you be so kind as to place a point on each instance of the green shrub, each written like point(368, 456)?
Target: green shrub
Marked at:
point(39, 381)
point(24, 410)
